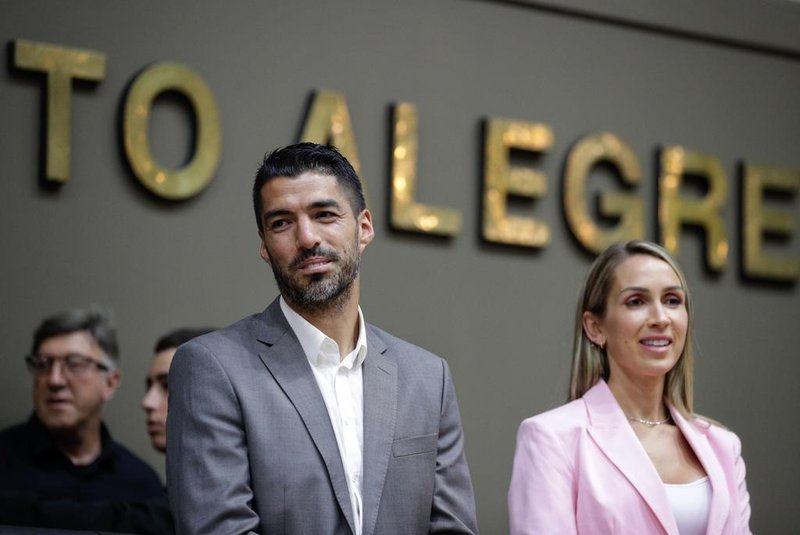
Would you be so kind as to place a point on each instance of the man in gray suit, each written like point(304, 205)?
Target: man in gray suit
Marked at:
point(304, 419)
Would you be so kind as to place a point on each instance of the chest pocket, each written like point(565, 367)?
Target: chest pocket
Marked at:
point(403, 447)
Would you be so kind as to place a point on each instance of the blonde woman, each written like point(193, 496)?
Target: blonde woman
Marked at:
point(627, 454)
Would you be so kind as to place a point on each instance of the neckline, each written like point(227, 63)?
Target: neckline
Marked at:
point(694, 483)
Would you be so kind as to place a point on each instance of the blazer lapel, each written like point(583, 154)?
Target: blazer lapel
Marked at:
point(284, 358)
point(380, 403)
point(720, 498)
point(613, 435)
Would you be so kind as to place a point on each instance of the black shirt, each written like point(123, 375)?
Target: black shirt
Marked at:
point(39, 485)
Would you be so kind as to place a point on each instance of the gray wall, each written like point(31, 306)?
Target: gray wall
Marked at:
point(671, 73)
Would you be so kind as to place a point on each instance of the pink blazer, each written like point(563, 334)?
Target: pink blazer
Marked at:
point(580, 469)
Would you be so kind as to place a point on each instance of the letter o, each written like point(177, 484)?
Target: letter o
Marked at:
point(189, 180)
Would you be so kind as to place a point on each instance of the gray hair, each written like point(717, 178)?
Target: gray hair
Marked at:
point(95, 320)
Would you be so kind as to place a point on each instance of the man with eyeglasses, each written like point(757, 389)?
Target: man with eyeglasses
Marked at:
point(61, 468)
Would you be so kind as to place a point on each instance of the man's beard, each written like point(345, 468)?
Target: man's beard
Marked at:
point(324, 291)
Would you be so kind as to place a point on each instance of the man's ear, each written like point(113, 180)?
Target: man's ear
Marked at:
point(263, 248)
point(112, 381)
point(365, 229)
point(593, 329)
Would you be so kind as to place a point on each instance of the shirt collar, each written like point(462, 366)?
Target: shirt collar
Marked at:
point(314, 342)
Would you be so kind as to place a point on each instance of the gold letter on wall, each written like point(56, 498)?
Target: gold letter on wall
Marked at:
point(758, 221)
point(61, 65)
point(406, 213)
point(328, 123)
point(500, 180)
point(193, 177)
point(589, 151)
point(674, 210)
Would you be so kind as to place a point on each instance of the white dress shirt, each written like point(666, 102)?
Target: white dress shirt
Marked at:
point(341, 384)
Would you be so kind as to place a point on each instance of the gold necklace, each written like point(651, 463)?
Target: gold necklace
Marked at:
point(649, 423)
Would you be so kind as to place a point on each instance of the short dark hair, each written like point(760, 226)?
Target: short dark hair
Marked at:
point(178, 337)
point(297, 159)
point(97, 321)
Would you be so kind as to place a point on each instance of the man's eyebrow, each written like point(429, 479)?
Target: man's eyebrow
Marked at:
point(150, 379)
point(325, 203)
point(316, 205)
point(269, 214)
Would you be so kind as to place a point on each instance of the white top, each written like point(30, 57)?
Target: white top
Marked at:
point(691, 505)
point(341, 385)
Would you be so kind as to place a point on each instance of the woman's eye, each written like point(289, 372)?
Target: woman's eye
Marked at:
point(674, 300)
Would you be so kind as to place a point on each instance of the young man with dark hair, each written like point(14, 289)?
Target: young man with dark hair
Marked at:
point(156, 398)
point(305, 418)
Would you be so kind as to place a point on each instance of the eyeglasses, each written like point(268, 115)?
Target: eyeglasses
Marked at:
point(72, 364)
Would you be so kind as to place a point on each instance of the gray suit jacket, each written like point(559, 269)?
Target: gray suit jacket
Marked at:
point(251, 447)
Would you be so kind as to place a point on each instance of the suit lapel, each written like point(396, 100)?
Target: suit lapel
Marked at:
point(380, 403)
point(284, 358)
point(615, 438)
point(720, 498)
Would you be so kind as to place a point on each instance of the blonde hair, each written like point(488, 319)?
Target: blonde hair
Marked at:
point(590, 362)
